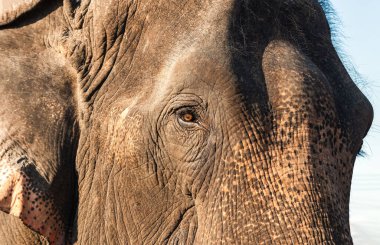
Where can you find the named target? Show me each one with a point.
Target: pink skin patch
(21, 197)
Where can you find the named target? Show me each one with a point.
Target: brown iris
(188, 117)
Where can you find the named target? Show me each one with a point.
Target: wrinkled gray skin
(179, 122)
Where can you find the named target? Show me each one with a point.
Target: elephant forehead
(181, 74)
(159, 38)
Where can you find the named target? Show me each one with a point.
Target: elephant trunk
(286, 176)
(275, 201)
(296, 198)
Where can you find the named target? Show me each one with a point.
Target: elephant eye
(187, 116)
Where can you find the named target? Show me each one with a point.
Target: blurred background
(358, 41)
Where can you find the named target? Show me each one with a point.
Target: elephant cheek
(27, 200)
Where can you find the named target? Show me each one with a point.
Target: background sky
(359, 43)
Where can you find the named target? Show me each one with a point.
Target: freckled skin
(187, 122)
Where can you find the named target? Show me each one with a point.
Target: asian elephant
(175, 122)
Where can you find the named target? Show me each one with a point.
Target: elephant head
(179, 122)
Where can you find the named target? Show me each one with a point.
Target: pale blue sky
(359, 29)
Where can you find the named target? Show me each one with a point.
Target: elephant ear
(25, 194)
(12, 9)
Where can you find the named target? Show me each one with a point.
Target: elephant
(175, 122)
